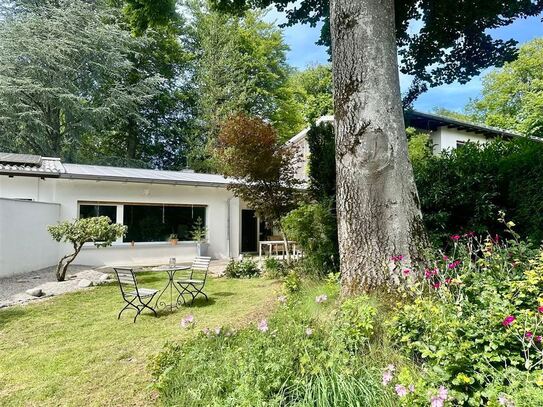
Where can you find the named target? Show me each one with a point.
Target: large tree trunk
(377, 201)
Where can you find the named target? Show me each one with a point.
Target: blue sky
(304, 52)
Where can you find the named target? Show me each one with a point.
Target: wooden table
(270, 244)
(170, 270)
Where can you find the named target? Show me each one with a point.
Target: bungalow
(38, 191)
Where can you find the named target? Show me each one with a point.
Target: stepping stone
(35, 292)
(84, 283)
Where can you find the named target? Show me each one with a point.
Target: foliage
(288, 359)
(432, 55)
(63, 75)
(512, 97)
(199, 231)
(419, 146)
(465, 188)
(98, 230)
(314, 90)
(274, 268)
(262, 170)
(245, 268)
(293, 281)
(355, 322)
(322, 161)
(313, 226)
(476, 321)
(240, 67)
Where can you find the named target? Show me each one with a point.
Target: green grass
(72, 350)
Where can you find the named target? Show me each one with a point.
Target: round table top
(167, 267)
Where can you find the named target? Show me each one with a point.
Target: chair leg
(139, 312)
(128, 304)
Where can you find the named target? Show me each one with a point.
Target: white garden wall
(25, 243)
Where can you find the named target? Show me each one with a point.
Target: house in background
(37, 191)
(445, 133)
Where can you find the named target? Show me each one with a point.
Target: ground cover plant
(71, 350)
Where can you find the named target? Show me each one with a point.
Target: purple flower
(504, 401)
(508, 320)
(321, 298)
(412, 388)
(206, 331)
(282, 299)
(401, 391)
(435, 401)
(308, 331)
(187, 321)
(391, 367)
(263, 326)
(443, 393)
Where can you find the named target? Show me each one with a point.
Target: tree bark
(377, 200)
(65, 261)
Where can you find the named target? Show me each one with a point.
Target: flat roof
(54, 168)
(121, 174)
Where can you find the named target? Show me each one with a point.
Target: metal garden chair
(194, 285)
(134, 296)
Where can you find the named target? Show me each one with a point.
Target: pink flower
(397, 258)
(187, 321)
(263, 326)
(540, 309)
(401, 391)
(387, 377)
(308, 331)
(454, 264)
(448, 280)
(528, 335)
(445, 258)
(282, 299)
(455, 238)
(469, 234)
(538, 338)
(436, 285)
(508, 320)
(321, 298)
(406, 272)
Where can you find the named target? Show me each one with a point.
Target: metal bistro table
(170, 270)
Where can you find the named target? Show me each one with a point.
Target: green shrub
(355, 322)
(463, 189)
(476, 321)
(313, 227)
(245, 268)
(293, 281)
(274, 268)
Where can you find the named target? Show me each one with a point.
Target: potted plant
(199, 235)
(173, 239)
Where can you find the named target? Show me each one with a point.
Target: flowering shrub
(475, 322)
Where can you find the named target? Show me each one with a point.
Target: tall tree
(63, 69)
(512, 97)
(314, 91)
(241, 67)
(378, 208)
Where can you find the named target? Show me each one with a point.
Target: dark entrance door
(249, 232)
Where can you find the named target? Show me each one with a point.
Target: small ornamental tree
(98, 230)
(262, 170)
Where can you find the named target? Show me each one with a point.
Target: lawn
(72, 350)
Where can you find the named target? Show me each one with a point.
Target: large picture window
(155, 223)
(91, 210)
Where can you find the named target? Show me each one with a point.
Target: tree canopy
(439, 41)
(512, 97)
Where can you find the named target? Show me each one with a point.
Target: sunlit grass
(72, 350)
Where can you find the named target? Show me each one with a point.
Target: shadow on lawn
(10, 313)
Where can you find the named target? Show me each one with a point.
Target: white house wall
(448, 138)
(68, 193)
(25, 243)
